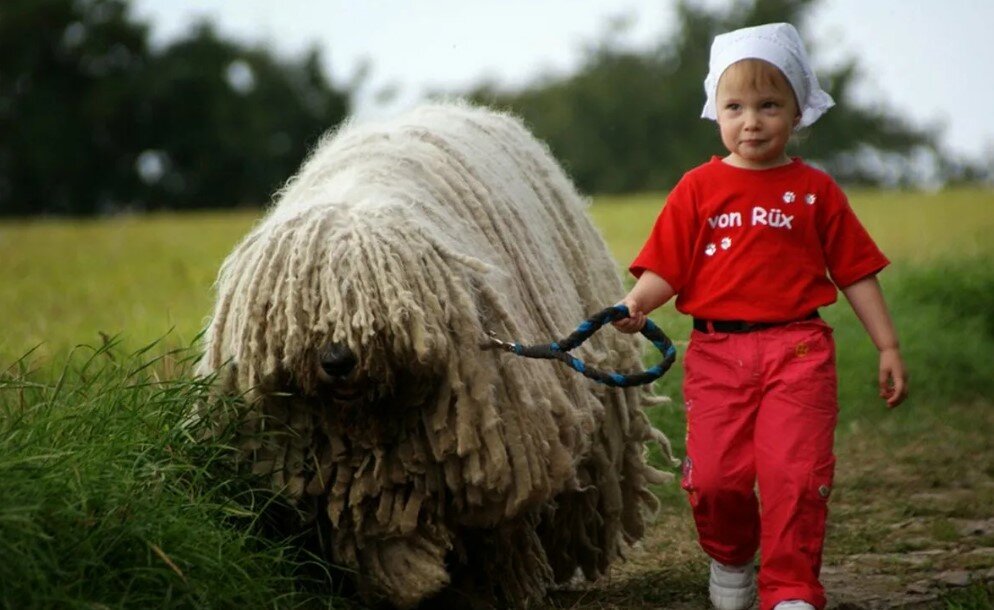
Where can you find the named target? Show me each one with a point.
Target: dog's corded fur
(407, 240)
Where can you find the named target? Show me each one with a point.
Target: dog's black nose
(337, 360)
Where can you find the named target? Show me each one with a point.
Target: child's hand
(893, 378)
(635, 320)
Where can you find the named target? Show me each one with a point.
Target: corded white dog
(351, 317)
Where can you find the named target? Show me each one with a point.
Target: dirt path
(911, 526)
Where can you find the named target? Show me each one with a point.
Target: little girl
(752, 245)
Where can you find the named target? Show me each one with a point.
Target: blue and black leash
(559, 350)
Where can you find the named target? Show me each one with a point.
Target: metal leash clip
(490, 341)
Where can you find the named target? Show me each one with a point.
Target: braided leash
(558, 350)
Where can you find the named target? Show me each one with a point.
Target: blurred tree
(628, 121)
(223, 125)
(94, 120)
(68, 73)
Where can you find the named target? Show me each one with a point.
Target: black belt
(741, 326)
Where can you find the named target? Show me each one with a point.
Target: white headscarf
(778, 44)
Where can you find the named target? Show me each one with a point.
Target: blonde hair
(758, 75)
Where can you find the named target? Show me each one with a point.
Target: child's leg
(721, 392)
(794, 461)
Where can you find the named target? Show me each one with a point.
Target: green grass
(108, 499)
(975, 597)
(69, 282)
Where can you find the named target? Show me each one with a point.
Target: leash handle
(559, 350)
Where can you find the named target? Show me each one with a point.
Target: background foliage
(627, 121)
(95, 119)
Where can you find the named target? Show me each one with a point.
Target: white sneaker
(794, 604)
(732, 587)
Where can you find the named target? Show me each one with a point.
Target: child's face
(755, 123)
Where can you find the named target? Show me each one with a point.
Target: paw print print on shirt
(726, 243)
(788, 197)
(810, 199)
(710, 249)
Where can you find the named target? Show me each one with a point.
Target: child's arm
(867, 300)
(649, 292)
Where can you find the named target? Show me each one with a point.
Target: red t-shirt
(757, 245)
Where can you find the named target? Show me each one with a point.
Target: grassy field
(68, 282)
(72, 282)
(107, 501)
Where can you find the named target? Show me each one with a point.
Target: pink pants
(762, 406)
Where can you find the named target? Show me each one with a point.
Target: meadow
(145, 278)
(107, 500)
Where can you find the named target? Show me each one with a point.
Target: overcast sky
(932, 60)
